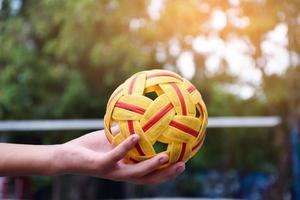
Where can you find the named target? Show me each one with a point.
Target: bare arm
(90, 155)
(18, 159)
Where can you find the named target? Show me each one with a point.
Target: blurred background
(63, 59)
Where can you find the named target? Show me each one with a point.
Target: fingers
(145, 167)
(162, 175)
(120, 151)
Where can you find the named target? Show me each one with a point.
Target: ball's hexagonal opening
(198, 113)
(160, 147)
(153, 92)
(151, 95)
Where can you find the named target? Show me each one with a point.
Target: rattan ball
(164, 109)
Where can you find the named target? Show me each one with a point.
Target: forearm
(18, 159)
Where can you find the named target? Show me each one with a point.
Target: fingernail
(180, 169)
(163, 159)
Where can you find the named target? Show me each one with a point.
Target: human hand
(93, 155)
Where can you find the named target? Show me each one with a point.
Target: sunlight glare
(218, 20)
(275, 52)
(186, 64)
(155, 8)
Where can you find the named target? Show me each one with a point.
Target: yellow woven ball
(164, 109)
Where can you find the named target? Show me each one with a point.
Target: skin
(90, 155)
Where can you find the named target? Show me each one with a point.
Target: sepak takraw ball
(164, 109)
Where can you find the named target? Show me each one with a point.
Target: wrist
(65, 159)
(57, 164)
